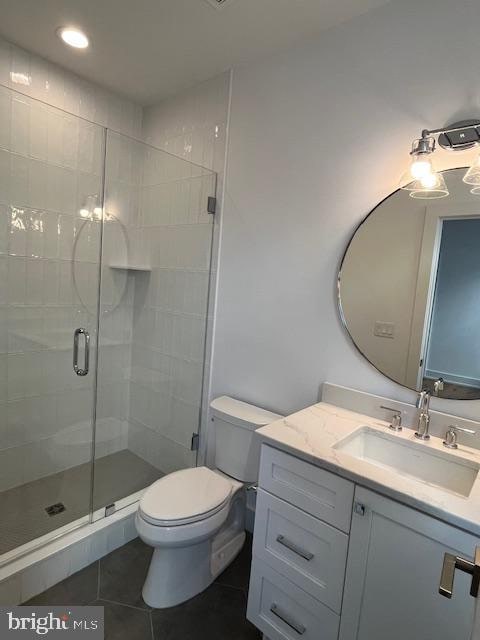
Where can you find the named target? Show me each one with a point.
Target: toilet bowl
(182, 516)
(195, 518)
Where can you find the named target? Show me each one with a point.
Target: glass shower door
(51, 190)
(157, 243)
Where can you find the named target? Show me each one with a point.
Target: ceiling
(149, 49)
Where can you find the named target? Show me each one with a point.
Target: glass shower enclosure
(105, 250)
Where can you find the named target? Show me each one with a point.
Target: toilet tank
(237, 452)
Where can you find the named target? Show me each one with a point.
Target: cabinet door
(393, 573)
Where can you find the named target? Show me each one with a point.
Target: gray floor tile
(216, 614)
(125, 623)
(238, 573)
(123, 572)
(78, 589)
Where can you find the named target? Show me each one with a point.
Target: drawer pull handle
(284, 617)
(293, 547)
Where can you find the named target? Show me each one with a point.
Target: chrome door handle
(76, 336)
(284, 617)
(450, 563)
(295, 548)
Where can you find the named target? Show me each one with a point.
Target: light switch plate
(384, 329)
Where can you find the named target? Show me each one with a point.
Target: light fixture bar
(434, 132)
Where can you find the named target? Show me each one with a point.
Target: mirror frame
(339, 296)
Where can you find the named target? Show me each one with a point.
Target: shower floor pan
(42, 506)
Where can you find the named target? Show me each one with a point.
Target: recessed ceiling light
(73, 37)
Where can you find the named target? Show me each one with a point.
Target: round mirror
(409, 290)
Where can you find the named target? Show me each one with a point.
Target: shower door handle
(76, 337)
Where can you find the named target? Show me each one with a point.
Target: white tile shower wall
(49, 162)
(35, 77)
(173, 236)
(194, 125)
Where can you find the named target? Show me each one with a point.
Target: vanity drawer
(318, 492)
(282, 611)
(308, 552)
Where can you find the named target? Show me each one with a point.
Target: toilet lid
(185, 496)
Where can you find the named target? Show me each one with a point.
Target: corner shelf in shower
(131, 267)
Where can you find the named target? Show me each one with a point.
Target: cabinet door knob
(359, 509)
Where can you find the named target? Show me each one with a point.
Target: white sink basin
(413, 459)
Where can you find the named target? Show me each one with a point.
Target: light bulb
(429, 181)
(420, 167)
(85, 213)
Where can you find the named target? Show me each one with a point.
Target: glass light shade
(473, 174)
(420, 168)
(429, 187)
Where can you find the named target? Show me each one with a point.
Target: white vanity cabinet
(299, 549)
(393, 574)
(334, 561)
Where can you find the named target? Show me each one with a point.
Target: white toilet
(195, 518)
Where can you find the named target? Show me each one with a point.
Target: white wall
(318, 136)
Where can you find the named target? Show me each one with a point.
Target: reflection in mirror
(409, 290)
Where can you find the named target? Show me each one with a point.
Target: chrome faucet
(423, 406)
(438, 386)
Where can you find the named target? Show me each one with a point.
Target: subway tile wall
(50, 163)
(152, 323)
(33, 76)
(168, 235)
(193, 125)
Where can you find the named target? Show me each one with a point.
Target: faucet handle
(396, 424)
(451, 436)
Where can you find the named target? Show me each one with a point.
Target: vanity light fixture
(421, 179)
(73, 37)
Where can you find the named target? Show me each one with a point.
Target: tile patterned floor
(116, 581)
(116, 475)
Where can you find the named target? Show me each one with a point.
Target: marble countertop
(313, 433)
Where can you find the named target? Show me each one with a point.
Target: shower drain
(55, 509)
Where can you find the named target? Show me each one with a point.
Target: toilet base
(180, 573)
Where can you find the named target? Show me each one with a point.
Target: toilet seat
(184, 497)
